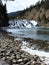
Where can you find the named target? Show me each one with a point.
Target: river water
(25, 31)
(33, 33)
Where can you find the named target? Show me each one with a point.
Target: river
(26, 30)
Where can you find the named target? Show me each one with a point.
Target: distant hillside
(38, 12)
(13, 14)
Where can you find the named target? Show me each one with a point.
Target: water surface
(33, 33)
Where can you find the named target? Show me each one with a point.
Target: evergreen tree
(3, 16)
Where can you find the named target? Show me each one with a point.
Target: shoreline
(10, 52)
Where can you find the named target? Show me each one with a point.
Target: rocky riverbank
(11, 53)
(35, 44)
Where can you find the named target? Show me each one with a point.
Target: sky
(17, 5)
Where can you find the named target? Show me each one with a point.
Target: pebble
(3, 58)
(21, 63)
(25, 60)
(15, 64)
(28, 63)
(38, 63)
(8, 57)
(3, 62)
(20, 60)
(13, 61)
(12, 54)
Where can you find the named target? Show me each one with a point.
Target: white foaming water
(12, 30)
(28, 26)
(33, 22)
(44, 56)
(23, 23)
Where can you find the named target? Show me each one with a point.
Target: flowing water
(26, 31)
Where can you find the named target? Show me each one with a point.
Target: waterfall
(22, 23)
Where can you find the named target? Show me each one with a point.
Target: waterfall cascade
(22, 23)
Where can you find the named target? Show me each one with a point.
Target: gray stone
(12, 57)
(25, 60)
(15, 64)
(17, 56)
(39, 63)
(13, 61)
(3, 62)
(20, 60)
(8, 57)
(21, 63)
(32, 63)
(7, 53)
(28, 63)
(3, 58)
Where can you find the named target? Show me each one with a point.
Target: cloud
(19, 4)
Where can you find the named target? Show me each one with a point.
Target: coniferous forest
(3, 16)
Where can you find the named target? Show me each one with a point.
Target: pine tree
(3, 15)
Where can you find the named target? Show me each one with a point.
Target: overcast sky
(19, 4)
